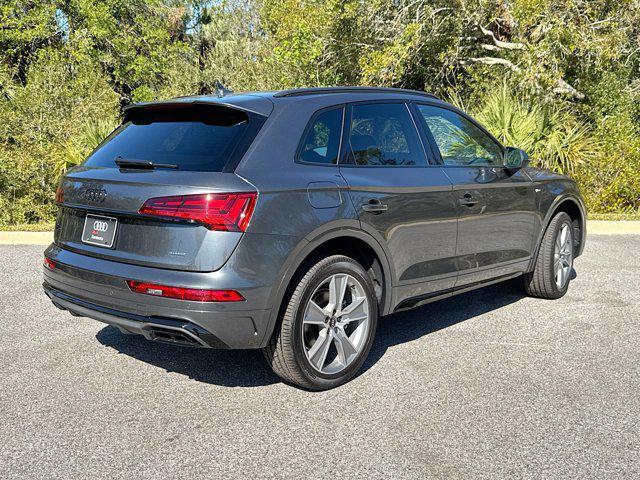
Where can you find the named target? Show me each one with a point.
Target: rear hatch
(160, 190)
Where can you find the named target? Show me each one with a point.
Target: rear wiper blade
(144, 164)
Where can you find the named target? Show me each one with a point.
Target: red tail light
(50, 264)
(59, 196)
(180, 293)
(229, 212)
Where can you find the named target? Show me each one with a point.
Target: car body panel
(498, 230)
(553, 189)
(419, 227)
(140, 240)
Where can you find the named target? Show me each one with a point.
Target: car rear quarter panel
(299, 205)
(284, 186)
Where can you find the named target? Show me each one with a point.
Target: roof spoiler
(245, 103)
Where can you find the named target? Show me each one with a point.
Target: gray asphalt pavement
(489, 384)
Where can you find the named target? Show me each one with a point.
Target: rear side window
(321, 142)
(198, 138)
(383, 134)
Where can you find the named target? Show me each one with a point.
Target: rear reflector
(50, 264)
(193, 294)
(59, 196)
(228, 212)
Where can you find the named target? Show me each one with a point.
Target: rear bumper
(160, 329)
(97, 289)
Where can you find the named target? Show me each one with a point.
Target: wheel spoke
(560, 277)
(569, 250)
(566, 245)
(318, 352)
(354, 318)
(358, 302)
(337, 288)
(564, 235)
(315, 315)
(346, 350)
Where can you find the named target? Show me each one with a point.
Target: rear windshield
(196, 138)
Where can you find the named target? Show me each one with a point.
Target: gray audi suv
(291, 221)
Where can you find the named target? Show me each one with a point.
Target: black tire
(285, 350)
(541, 282)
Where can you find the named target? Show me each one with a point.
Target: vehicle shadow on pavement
(247, 368)
(231, 368)
(412, 324)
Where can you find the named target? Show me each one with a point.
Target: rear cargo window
(198, 138)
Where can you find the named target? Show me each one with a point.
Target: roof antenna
(221, 90)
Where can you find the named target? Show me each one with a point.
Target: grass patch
(614, 216)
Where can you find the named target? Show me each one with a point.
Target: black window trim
(428, 154)
(256, 121)
(432, 141)
(307, 128)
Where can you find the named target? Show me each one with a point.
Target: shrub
(45, 125)
(552, 137)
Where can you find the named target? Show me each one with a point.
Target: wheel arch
(346, 240)
(573, 207)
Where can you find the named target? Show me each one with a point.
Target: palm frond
(553, 138)
(75, 151)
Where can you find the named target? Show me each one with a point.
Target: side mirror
(515, 158)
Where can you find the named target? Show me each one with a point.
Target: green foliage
(78, 147)
(552, 137)
(560, 79)
(611, 180)
(38, 121)
(24, 198)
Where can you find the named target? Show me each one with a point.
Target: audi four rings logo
(100, 226)
(95, 194)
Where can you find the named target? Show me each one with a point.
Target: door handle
(467, 200)
(374, 206)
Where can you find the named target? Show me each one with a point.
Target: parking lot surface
(489, 384)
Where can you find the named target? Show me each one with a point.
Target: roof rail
(324, 90)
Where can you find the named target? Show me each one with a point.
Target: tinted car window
(384, 134)
(198, 139)
(322, 139)
(460, 142)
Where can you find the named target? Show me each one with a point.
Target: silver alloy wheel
(336, 323)
(563, 255)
